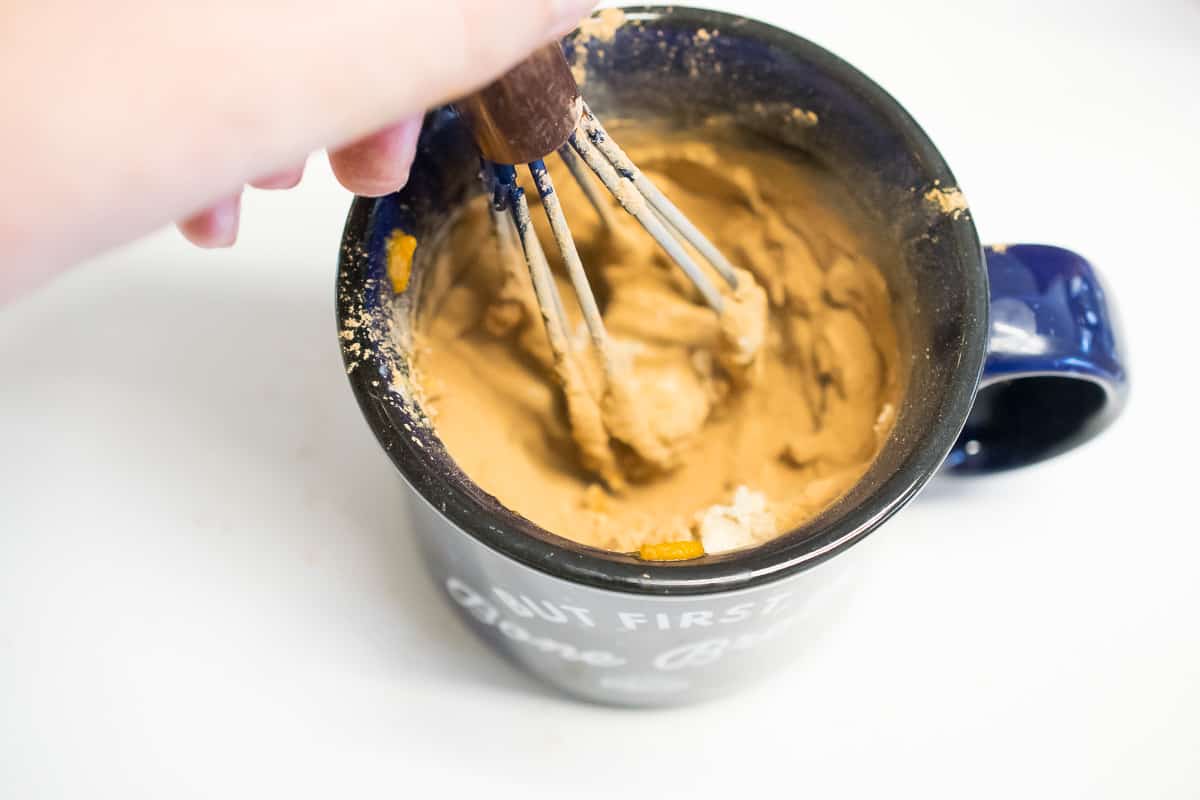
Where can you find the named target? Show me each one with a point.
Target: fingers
(379, 163)
(372, 166)
(284, 179)
(215, 226)
(328, 79)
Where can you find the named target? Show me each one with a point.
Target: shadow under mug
(1041, 373)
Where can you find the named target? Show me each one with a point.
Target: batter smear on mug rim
(728, 430)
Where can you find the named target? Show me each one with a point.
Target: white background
(206, 588)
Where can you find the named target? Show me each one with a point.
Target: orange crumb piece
(671, 551)
(400, 248)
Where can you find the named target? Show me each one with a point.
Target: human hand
(371, 166)
(129, 114)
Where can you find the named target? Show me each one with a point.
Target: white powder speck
(746, 522)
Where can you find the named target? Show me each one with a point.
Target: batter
(721, 430)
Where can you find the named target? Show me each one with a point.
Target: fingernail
(567, 14)
(226, 215)
(284, 179)
(215, 226)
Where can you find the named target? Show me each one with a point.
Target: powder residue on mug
(948, 200)
(733, 428)
(600, 28)
(807, 119)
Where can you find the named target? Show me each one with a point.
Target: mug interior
(653, 70)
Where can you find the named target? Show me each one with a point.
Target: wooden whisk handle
(528, 112)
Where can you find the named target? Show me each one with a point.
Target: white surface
(205, 592)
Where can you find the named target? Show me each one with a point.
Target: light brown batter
(729, 429)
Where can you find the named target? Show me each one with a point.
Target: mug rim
(785, 555)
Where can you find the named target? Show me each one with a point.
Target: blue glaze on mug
(1054, 375)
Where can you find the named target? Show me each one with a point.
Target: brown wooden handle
(528, 112)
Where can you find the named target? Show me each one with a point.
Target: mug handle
(1055, 374)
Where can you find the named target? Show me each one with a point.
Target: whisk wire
(575, 270)
(509, 126)
(512, 197)
(633, 202)
(654, 196)
(588, 185)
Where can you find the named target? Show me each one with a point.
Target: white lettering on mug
(630, 620)
(692, 655)
(546, 610)
(738, 613)
(773, 604)
(582, 614)
(514, 605)
(707, 651)
(699, 619)
(488, 614)
(682, 620)
(526, 607)
(600, 658)
(469, 599)
(683, 656)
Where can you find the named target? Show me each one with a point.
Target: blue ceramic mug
(1014, 356)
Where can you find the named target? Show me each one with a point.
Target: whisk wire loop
(659, 201)
(627, 194)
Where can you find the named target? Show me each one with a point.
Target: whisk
(529, 113)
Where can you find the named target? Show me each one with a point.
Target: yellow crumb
(671, 551)
(400, 248)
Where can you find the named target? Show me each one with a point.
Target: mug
(1014, 356)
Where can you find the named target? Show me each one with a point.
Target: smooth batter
(725, 429)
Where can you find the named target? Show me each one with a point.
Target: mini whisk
(524, 116)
